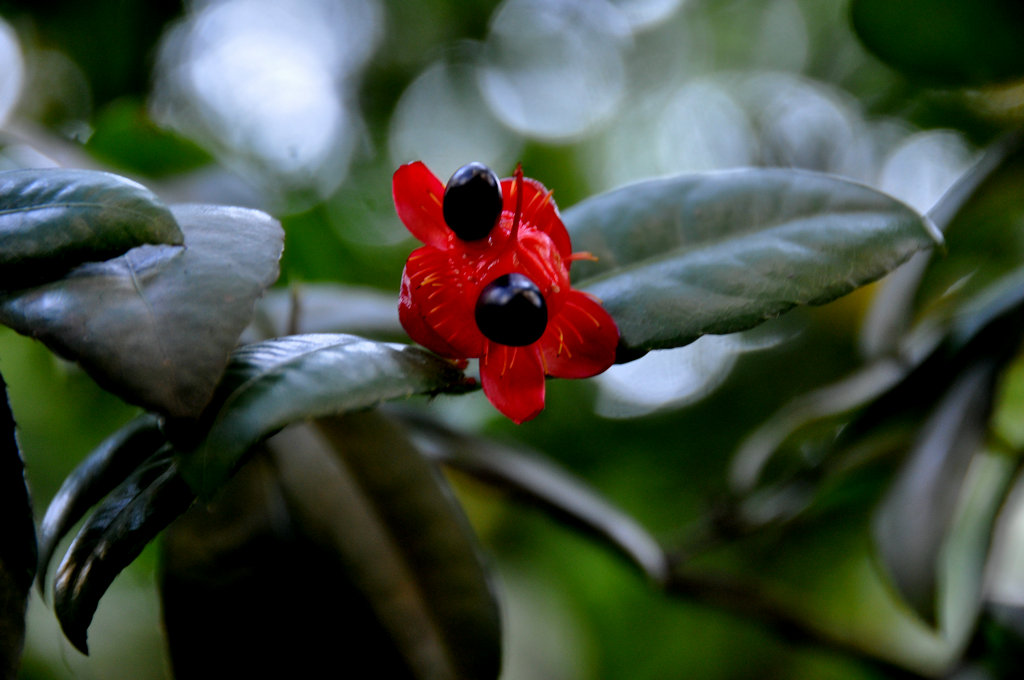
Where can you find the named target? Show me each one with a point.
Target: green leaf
(829, 402)
(953, 42)
(362, 491)
(125, 136)
(1006, 563)
(540, 482)
(277, 382)
(965, 571)
(100, 473)
(722, 252)
(913, 522)
(111, 539)
(52, 220)
(983, 240)
(240, 574)
(156, 326)
(17, 543)
(891, 311)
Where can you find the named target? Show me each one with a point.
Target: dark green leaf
(953, 42)
(115, 534)
(240, 574)
(156, 325)
(17, 543)
(831, 401)
(722, 252)
(912, 524)
(52, 220)
(540, 482)
(359, 488)
(103, 470)
(277, 382)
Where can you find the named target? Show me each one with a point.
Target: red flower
(499, 289)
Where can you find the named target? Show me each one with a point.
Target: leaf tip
(934, 232)
(74, 620)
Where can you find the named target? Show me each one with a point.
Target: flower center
(472, 201)
(511, 311)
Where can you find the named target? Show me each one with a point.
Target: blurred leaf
(965, 555)
(126, 137)
(239, 574)
(891, 312)
(156, 325)
(52, 220)
(830, 401)
(913, 522)
(277, 382)
(17, 545)
(985, 241)
(952, 42)
(328, 308)
(1000, 301)
(1007, 425)
(902, 384)
(104, 469)
(358, 487)
(112, 537)
(540, 482)
(722, 252)
(1006, 567)
(127, 31)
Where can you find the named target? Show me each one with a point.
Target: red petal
(417, 327)
(418, 195)
(581, 340)
(436, 305)
(539, 210)
(513, 380)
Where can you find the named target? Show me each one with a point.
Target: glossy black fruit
(512, 311)
(472, 201)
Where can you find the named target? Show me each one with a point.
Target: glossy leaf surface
(122, 525)
(156, 325)
(722, 252)
(277, 382)
(101, 472)
(52, 220)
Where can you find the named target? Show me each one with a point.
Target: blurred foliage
(770, 467)
(959, 43)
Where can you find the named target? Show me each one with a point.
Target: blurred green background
(304, 108)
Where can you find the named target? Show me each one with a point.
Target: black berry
(512, 311)
(472, 201)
